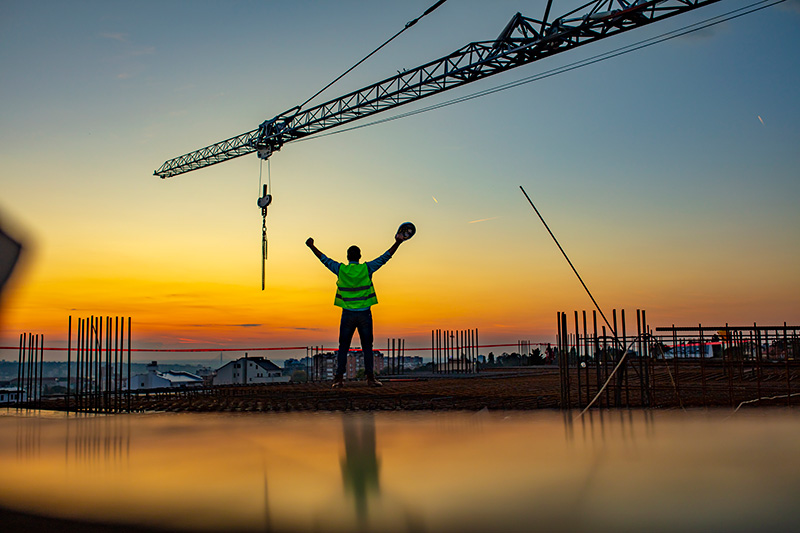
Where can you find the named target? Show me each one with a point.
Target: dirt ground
(523, 388)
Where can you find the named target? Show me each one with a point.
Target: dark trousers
(352, 321)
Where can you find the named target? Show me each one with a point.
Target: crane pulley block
(271, 134)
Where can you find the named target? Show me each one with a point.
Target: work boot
(372, 382)
(338, 382)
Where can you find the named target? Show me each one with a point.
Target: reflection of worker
(360, 466)
(355, 295)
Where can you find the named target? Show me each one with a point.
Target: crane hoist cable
(392, 38)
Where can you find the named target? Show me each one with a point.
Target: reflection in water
(28, 437)
(100, 439)
(626, 426)
(390, 472)
(625, 421)
(360, 465)
(104, 440)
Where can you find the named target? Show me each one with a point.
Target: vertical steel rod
(477, 346)
(19, 368)
(640, 356)
(559, 342)
(41, 371)
(647, 361)
(731, 341)
(758, 361)
(616, 359)
(578, 361)
(402, 356)
(107, 391)
(30, 368)
(69, 357)
(703, 366)
(587, 357)
(116, 364)
(675, 365)
(624, 354)
(605, 366)
(564, 358)
(596, 349)
(788, 370)
(79, 344)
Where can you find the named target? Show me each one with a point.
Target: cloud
(121, 37)
(125, 55)
(699, 35)
(183, 340)
(146, 51)
(224, 325)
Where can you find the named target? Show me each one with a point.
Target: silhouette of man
(355, 294)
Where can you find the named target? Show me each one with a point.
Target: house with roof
(154, 379)
(249, 371)
(12, 395)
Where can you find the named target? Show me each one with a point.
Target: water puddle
(459, 472)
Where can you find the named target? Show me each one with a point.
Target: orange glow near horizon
(181, 296)
(204, 314)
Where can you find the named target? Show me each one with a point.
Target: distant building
(154, 379)
(290, 366)
(324, 366)
(249, 370)
(39, 387)
(411, 362)
(11, 395)
(689, 350)
(355, 362)
(207, 373)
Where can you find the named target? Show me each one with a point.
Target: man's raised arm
(310, 244)
(398, 240)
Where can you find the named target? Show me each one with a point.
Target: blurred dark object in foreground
(19, 522)
(9, 254)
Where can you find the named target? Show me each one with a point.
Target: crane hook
(263, 203)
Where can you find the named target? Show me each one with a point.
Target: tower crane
(523, 40)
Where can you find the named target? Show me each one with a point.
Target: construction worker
(355, 294)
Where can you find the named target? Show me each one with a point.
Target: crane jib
(518, 44)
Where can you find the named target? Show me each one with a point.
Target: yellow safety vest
(355, 290)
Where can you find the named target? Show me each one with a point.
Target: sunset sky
(669, 175)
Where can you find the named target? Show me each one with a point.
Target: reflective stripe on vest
(355, 290)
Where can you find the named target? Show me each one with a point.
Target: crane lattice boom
(524, 40)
